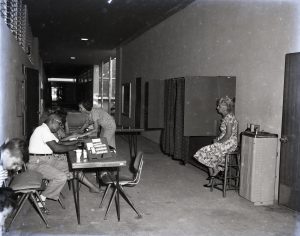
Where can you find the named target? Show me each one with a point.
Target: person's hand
(80, 144)
(71, 137)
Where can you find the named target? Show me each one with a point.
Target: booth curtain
(174, 143)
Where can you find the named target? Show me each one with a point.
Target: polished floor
(172, 202)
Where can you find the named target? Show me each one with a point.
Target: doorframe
(25, 133)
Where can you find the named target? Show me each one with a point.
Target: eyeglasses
(59, 122)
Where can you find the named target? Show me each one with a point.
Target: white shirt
(38, 140)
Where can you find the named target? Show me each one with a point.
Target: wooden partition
(201, 95)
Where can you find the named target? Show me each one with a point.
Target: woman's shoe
(207, 185)
(208, 178)
(210, 184)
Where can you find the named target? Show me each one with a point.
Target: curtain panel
(173, 142)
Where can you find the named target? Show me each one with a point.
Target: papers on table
(97, 147)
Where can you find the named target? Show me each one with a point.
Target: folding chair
(28, 184)
(124, 181)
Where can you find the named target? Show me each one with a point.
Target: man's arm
(67, 142)
(92, 131)
(61, 148)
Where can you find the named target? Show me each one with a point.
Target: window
(107, 85)
(15, 16)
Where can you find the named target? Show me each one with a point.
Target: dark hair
(7, 198)
(88, 105)
(44, 116)
(17, 147)
(62, 114)
(51, 117)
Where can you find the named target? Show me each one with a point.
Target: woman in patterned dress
(213, 156)
(99, 117)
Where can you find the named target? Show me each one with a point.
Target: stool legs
(225, 176)
(230, 178)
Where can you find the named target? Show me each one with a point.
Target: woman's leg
(210, 171)
(92, 188)
(215, 172)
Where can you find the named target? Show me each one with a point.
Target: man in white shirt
(42, 144)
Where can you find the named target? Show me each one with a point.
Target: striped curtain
(173, 142)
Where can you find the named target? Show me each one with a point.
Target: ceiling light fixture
(72, 58)
(109, 1)
(84, 39)
(67, 80)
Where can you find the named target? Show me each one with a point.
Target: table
(132, 134)
(76, 167)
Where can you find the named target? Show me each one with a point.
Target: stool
(231, 175)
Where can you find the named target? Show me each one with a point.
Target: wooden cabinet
(258, 167)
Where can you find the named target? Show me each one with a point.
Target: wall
(11, 60)
(246, 39)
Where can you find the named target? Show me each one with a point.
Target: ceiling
(60, 25)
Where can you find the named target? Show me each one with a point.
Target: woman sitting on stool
(213, 156)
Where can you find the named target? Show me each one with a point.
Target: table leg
(75, 188)
(134, 142)
(130, 142)
(113, 196)
(118, 194)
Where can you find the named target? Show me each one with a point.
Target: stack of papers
(97, 147)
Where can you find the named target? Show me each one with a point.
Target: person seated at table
(99, 118)
(13, 153)
(213, 156)
(8, 200)
(62, 136)
(43, 143)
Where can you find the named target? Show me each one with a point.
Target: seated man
(12, 154)
(43, 143)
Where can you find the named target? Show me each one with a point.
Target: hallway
(172, 202)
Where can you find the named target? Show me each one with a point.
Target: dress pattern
(107, 123)
(213, 155)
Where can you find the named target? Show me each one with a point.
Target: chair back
(137, 168)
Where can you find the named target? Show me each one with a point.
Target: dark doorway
(138, 103)
(32, 101)
(146, 105)
(289, 178)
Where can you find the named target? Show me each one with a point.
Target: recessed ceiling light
(84, 39)
(72, 58)
(70, 80)
(109, 1)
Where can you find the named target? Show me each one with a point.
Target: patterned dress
(107, 123)
(214, 155)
